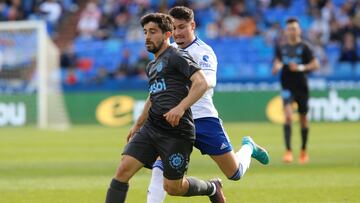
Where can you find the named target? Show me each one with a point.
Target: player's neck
(162, 49)
(185, 45)
(294, 41)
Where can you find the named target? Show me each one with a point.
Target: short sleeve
(208, 63)
(184, 63)
(308, 54)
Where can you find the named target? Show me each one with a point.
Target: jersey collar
(194, 41)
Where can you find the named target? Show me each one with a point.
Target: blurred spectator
(342, 15)
(37, 14)
(71, 78)
(125, 68)
(68, 58)
(280, 3)
(141, 64)
(52, 9)
(101, 75)
(89, 21)
(334, 32)
(348, 49)
(238, 22)
(122, 25)
(105, 28)
(319, 28)
(273, 34)
(11, 10)
(328, 12)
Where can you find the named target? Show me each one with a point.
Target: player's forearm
(313, 65)
(277, 64)
(144, 114)
(198, 88)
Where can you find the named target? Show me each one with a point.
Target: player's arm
(208, 63)
(277, 65)
(308, 57)
(198, 88)
(313, 65)
(141, 120)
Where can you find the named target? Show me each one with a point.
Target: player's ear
(193, 25)
(168, 34)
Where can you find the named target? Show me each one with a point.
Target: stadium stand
(242, 33)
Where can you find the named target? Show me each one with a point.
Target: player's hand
(293, 67)
(274, 70)
(132, 132)
(174, 115)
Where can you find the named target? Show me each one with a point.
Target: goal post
(30, 77)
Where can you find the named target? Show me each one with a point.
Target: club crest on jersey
(206, 58)
(157, 86)
(159, 67)
(176, 161)
(204, 63)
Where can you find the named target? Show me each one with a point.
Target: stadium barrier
(121, 108)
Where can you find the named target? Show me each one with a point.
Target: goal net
(30, 81)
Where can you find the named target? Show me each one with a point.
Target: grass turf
(76, 166)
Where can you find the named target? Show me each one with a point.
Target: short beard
(156, 49)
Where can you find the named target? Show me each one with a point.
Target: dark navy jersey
(169, 83)
(299, 54)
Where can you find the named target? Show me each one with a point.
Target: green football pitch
(76, 166)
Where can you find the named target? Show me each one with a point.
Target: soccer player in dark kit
(165, 127)
(295, 59)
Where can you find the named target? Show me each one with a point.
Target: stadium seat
(343, 69)
(357, 69)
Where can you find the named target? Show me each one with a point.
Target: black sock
(116, 192)
(199, 187)
(304, 137)
(287, 136)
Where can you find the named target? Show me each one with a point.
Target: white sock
(156, 192)
(244, 157)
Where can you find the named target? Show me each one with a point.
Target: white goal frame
(43, 42)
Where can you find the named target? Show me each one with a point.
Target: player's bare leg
(288, 156)
(119, 185)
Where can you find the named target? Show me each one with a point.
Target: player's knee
(123, 172)
(237, 175)
(172, 190)
(288, 119)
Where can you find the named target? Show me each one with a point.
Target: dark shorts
(300, 97)
(211, 137)
(150, 142)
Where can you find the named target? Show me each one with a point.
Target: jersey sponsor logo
(176, 161)
(157, 86)
(287, 59)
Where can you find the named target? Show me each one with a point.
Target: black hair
(164, 21)
(292, 20)
(182, 13)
